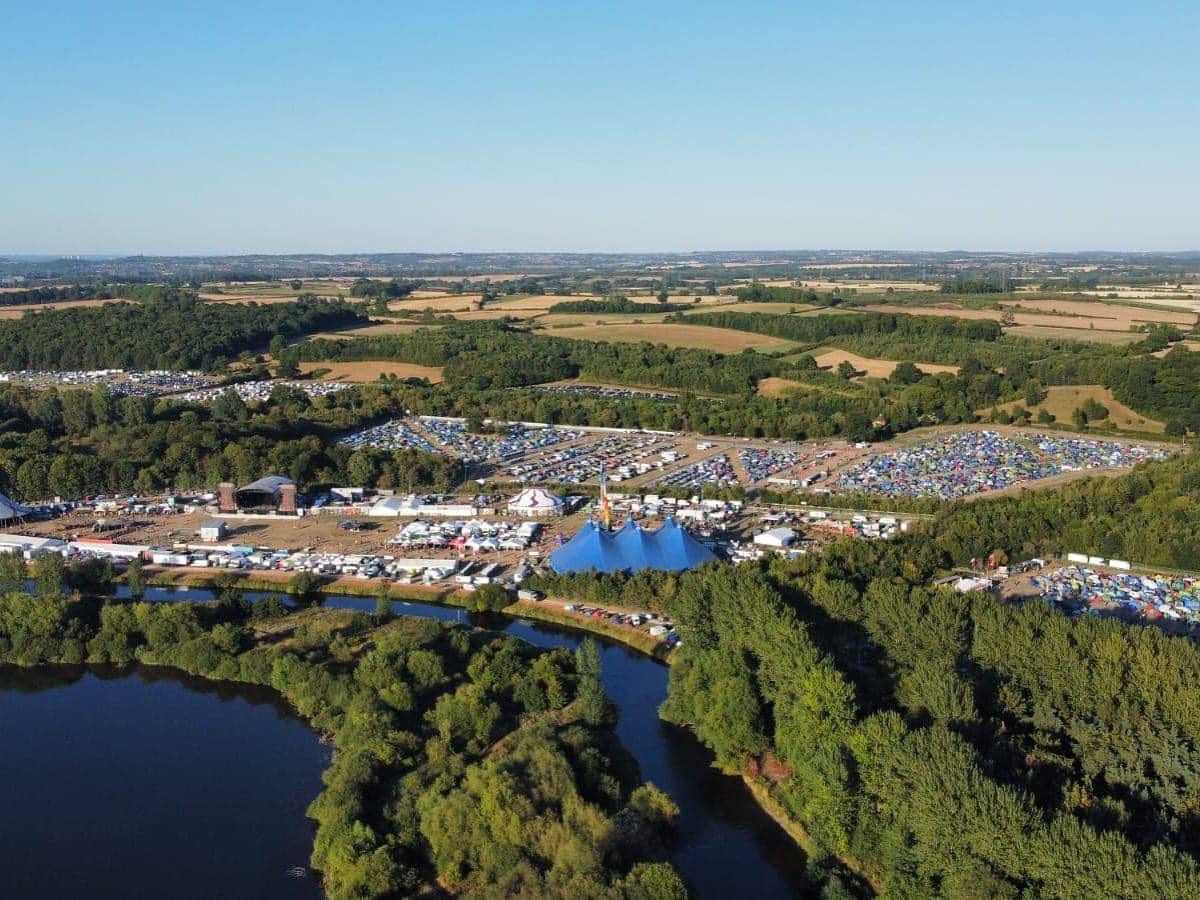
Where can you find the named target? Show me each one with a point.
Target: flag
(605, 509)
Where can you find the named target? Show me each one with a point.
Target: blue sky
(215, 127)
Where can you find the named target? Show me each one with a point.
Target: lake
(156, 784)
(149, 783)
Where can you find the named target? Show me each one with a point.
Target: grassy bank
(637, 640)
(204, 578)
(760, 790)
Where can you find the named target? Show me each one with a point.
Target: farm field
(1122, 316)
(1087, 335)
(491, 313)
(267, 292)
(776, 387)
(1061, 315)
(1186, 296)
(1192, 346)
(570, 320)
(832, 357)
(1062, 400)
(730, 304)
(442, 303)
(370, 370)
(864, 286)
(15, 312)
(720, 340)
(539, 302)
(373, 330)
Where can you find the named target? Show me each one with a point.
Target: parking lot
(257, 391)
(118, 381)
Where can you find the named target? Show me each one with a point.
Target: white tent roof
(776, 537)
(535, 500)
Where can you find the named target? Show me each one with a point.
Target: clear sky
(275, 127)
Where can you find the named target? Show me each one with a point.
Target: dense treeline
(480, 355)
(482, 358)
(615, 305)
(1164, 387)
(175, 330)
(374, 289)
(76, 443)
(1159, 387)
(756, 292)
(817, 328)
(463, 758)
(99, 291)
(950, 745)
(1150, 516)
(986, 284)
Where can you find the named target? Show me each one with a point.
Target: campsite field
(674, 334)
(370, 370)
(831, 358)
(1062, 400)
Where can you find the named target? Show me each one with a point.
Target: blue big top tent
(630, 550)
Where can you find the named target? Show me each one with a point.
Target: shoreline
(548, 611)
(530, 611)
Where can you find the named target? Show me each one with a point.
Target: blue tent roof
(630, 550)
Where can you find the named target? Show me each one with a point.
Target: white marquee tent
(536, 502)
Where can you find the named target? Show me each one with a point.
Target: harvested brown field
(559, 320)
(1063, 315)
(866, 286)
(1061, 401)
(15, 312)
(370, 370)
(1122, 316)
(831, 358)
(491, 313)
(372, 330)
(730, 304)
(721, 340)
(442, 303)
(776, 387)
(540, 302)
(273, 291)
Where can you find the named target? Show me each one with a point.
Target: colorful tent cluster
(630, 549)
(971, 462)
(1162, 596)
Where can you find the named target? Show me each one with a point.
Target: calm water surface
(159, 785)
(148, 783)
